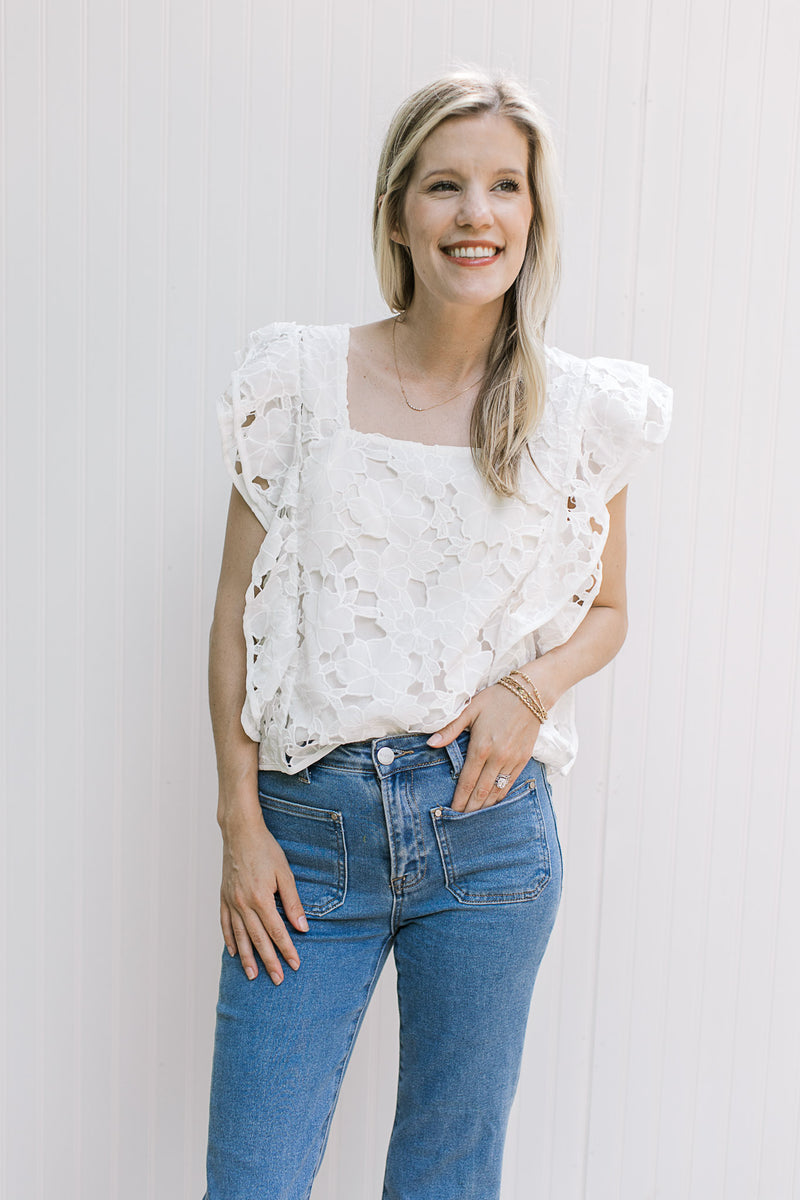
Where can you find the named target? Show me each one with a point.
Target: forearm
(594, 643)
(237, 754)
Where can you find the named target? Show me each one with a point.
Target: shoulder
(260, 411)
(610, 390)
(277, 351)
(267, 366)
(623, 399)
(619, 410)
(284, 363)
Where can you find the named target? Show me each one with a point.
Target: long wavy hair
(511, 399)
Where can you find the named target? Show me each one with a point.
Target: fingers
(489, 757)
(292, 904)
(254, 872)
(502, 735)
(260, 929)
(477, 785)
(227, 929)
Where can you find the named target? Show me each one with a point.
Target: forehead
(486, 139)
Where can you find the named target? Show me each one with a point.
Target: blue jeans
(466, 901)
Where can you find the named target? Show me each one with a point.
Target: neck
(448, 344)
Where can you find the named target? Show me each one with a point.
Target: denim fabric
(466, 902)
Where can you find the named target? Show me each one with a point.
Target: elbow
(620, 627)
(613, 628)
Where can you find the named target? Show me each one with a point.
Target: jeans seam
(381, 958)
(346, 770)
(436, 762)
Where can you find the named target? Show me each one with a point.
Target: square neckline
(358, 434)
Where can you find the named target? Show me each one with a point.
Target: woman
(428, 525)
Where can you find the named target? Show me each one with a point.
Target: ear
(395, 234)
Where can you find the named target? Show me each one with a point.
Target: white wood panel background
(177, 173)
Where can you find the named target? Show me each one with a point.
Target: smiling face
(467, 211)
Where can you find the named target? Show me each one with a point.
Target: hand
(254, 868)
(503, 732)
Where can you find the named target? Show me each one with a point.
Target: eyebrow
(454, 171)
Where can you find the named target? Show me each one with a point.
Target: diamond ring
(502, 781)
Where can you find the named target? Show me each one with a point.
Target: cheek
(522, 241)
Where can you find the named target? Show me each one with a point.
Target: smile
(472, 252)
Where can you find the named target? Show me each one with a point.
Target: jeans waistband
(396, 752)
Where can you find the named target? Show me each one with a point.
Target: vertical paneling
(5, 770)
(25, 248)
(175, 174)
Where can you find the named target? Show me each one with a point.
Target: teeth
(471, 251)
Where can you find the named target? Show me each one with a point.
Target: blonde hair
(512, 395)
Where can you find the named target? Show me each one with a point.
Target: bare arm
(600, 635)
(254, 867)
(502, 730)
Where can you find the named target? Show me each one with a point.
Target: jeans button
(386, 756)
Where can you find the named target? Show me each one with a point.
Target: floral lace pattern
(392, 584)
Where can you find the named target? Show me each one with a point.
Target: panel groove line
(288, 49)
(662, 518)
(600, 207)
(324, 196)
(647, 680)
(194, 1081)
(39, 1050)
(792, 724)
(700, 1158)
(634, 243)
(81, 511)
(694, 474)
(5, 559)
(366, 184)
(704, 386)
(742, 342)
(155, 899)
(598, 223)
(636, 239)
(119, 607)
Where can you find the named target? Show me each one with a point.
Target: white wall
(177, 173)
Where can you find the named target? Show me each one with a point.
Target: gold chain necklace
(403, 390)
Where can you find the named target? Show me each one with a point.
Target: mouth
(472, 252)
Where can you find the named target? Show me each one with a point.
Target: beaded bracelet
(534, 689)
(517, 690)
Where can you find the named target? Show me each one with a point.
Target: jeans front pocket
(313, 841)
(497, 854)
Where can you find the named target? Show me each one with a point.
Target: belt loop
(456, 757)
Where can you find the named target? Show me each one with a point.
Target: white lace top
(392, 584)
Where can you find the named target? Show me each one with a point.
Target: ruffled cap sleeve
(259, 418)
(626, 413)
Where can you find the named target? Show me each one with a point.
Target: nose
(475, 209)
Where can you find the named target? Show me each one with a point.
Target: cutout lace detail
(391, 584)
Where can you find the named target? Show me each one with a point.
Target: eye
(443, 185)
(509, 185)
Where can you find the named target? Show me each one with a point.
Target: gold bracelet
(535, 691)
(535, 706)
(512, 686)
